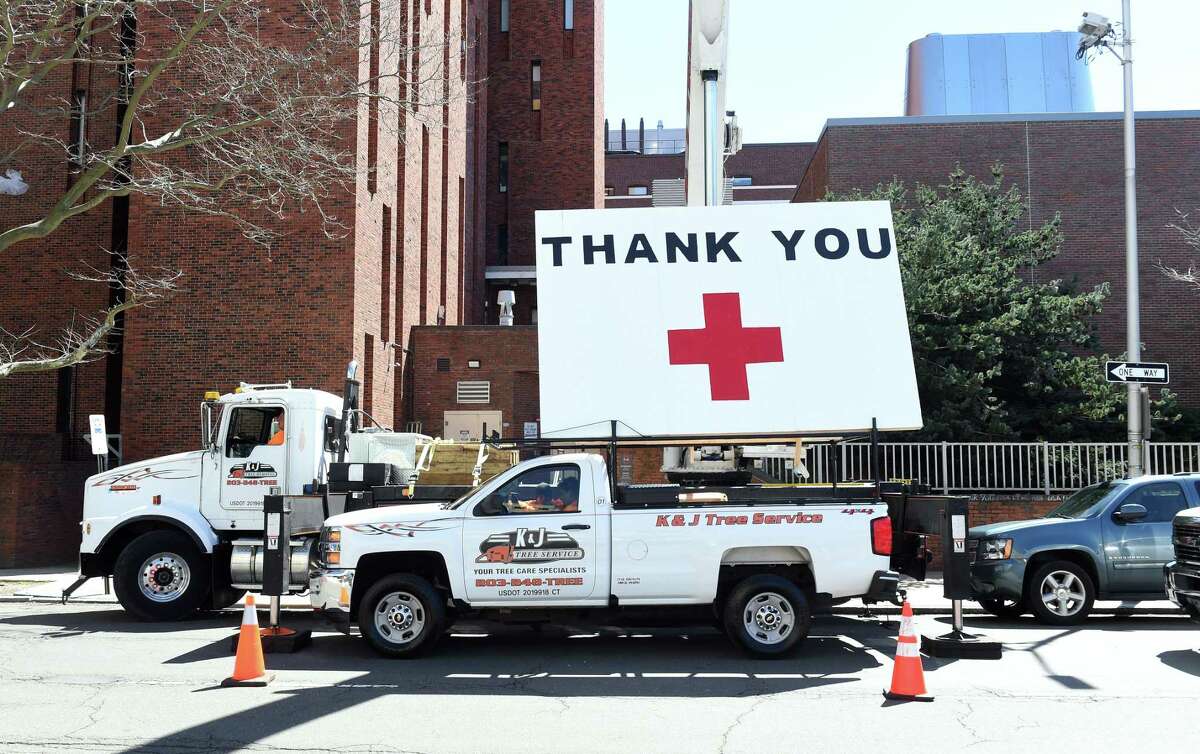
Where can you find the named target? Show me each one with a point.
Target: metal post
(1046, 467)
(714, 146)
(274, 619)
(945, 468)
(1133, 336)
(957, 616)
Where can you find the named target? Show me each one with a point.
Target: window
(474, 391)
(535, 84)
(1162, 500)
(568, 14)
(638, 191)
(503, 167)
(252, 427)
(609, 191)
(548, 489)
(504, 15)
(385, 281)
(78, 136)
(740, 180)
(502, 244)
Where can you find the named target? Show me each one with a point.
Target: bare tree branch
(1191, 236)
(87, 339)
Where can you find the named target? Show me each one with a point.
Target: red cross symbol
(725, 346)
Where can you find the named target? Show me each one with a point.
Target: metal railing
(1045, 467)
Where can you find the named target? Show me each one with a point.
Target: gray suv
(1109, 541)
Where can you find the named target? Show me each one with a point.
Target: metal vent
(669, 192)
(443, 364)
(474, 391)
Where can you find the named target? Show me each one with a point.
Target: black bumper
(885, 587)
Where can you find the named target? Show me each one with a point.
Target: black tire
(408, 599)
(1066, 612)
(781, 603)
(1002, 608)
(181, 578)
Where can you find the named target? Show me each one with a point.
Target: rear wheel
(1003, 608)
(766, 615)
(160, 576)
(402, 616)
(1060, 593)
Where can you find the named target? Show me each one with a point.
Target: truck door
(1136, 551)
(254, 456)
(533, 539)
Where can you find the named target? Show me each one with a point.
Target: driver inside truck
(277, 429)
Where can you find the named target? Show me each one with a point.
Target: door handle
(577, 526)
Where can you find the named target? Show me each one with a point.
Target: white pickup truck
(547, 539)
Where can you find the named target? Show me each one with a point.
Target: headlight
(329, 549)
(994, 549)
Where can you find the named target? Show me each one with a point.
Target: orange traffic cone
(248, 666)
(908, 677)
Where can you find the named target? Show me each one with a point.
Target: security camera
(1094, 29)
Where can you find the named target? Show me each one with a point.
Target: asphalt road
(86, 678)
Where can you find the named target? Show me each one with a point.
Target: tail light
(881, 535)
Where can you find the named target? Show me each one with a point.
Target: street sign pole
(1133, 344)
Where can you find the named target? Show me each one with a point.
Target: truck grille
(1186, 538)
(972, 549)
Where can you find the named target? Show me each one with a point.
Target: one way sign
(1154, 373)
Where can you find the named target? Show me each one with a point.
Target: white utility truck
(550, 539)
(185, 532)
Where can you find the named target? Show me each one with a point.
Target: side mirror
(1130, 513)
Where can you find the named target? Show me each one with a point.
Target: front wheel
(402, 616)
(1060, 593)
(161, 576)
(767, 615)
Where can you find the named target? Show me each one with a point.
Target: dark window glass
(535, 84)
(251, 427)
(502, 243)
(548, 489)
(503, 166)
(1162, 500)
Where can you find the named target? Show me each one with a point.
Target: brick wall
(1072, 167)
(555, 154)
(507, 358)
(41, 501)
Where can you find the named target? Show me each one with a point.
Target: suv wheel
(402, 616)
(766, 615)
(1060, 593)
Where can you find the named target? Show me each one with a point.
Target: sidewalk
(925, 597)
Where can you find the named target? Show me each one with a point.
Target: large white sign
(762, 318)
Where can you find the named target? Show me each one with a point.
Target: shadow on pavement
(111, 620)
(549, 663)
(1183, 660)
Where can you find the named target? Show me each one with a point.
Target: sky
(795, 63)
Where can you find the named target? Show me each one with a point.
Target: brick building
(423, 222)
(1066, 163)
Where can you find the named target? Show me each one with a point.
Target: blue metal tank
(972, 74)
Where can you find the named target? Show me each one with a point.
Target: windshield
(1086, 503)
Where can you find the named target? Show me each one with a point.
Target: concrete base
(960, 646)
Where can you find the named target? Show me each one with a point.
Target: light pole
(1098, 32)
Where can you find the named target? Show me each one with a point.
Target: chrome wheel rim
(1063, 593)
(769, 617)
(164, 577)
(399, 618)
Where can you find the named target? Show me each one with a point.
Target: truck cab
(166, 528)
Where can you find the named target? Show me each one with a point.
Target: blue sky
(794, 63)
